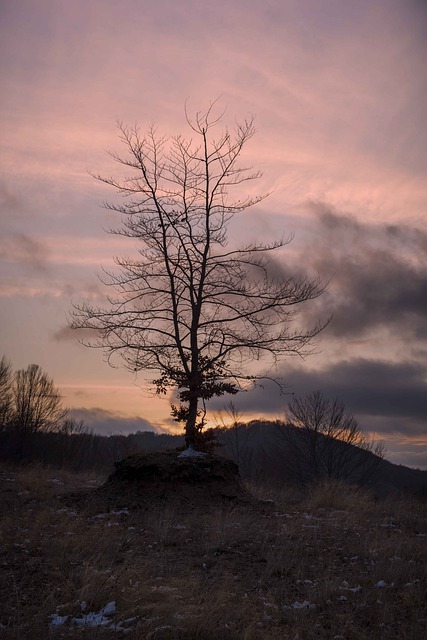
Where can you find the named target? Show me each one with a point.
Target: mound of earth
(170, 475)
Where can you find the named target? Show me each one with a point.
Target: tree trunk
(190, 427)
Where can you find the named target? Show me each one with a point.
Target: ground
(83, 559)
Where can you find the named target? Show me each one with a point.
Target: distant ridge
(264, 452)
(264, 449)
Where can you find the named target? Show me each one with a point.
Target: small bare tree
(37, 404)
(6, 403)
(190, 308)
(233, 431)
(329, 442)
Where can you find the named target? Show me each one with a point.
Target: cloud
(378, 274)
(105, 422)
(390, 395)
(411, 451)
(374, 388)
(25, 250)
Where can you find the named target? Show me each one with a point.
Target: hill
(266, 452)
(277, 453)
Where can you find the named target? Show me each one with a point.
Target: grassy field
(331, 563)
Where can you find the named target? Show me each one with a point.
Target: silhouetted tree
(328, 441)
(37, 404)
(190, 308)
(6, 402)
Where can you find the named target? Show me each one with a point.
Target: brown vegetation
(328, 562)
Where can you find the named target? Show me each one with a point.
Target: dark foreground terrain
(160, 561)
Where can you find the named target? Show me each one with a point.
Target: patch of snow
(109, 609)
(57, 621)
(192, 453)
(346, 587)
(100, 618)
(380, 584)
(355, 589)
(91, 619)
(303, 605)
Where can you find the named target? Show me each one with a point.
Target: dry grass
(331, 563)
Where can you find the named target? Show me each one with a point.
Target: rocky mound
(170, 474)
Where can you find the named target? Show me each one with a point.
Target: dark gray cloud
(25, 250)
(374, 388)
(105, 422)
(378, 274)
(392, 397)
(376, 290)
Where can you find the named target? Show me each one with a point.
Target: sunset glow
(339, 94)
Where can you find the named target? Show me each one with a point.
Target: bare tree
(6, 404)
(37, 404)
(329, 442)
(233, 436)
(190, 308)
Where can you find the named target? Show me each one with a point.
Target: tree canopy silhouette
(192, 308)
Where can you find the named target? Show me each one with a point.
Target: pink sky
(339, 93)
